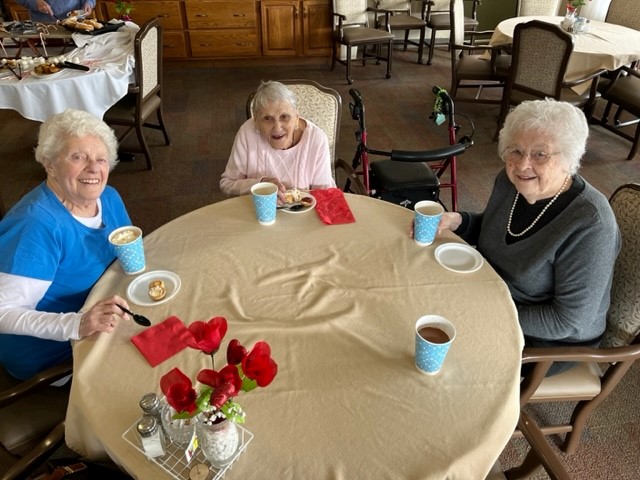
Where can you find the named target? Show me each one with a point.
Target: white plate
(79, 14)
(302, 210)
(138, 291)
(46, 75)
(459, 257)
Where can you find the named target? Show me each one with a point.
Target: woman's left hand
(104, 316)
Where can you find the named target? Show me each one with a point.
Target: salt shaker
(151, 436)
(150, 405)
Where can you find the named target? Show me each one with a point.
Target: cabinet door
(281, 27)
(317, 18)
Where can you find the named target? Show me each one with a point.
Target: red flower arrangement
(245, 370)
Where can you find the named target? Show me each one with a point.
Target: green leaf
(202, 402)
(248, 384)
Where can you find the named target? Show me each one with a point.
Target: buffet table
(111, 61)
(338, 305)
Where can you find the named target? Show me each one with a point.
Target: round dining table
(604, 46)
(338, 305)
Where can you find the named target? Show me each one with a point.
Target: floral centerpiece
(214, 405)
(124, 9)
(572, 5)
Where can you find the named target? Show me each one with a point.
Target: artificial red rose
(228, 375)
(207, 336)
(179, 391)
(235, 352)
(221, 394)
(259, 366)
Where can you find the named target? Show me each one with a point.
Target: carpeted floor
(204, 107)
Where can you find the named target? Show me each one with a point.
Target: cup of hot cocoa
(434, 335)
(127, 242)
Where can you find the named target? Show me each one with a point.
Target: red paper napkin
(162, 341)
(332, 207)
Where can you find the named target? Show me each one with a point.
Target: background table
(337, 305)
(111, 59)
(605, 46)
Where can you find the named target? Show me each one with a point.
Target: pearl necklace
(513, 207)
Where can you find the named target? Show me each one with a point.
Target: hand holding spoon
(139, 319)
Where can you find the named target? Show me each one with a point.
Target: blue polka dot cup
(434, 335)
(427, 215)
(127, 242)
(265, 199)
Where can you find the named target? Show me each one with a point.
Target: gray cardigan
(559, 276)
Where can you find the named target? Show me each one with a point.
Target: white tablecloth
(111, 59)
(338, 306)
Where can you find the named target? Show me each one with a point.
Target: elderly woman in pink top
(277, 145)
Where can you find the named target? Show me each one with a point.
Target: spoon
(292, 207)
(139, 319)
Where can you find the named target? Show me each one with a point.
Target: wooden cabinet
(228, 29)
(170, 14)
(222, 28)
(296, 27)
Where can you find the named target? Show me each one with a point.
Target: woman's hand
(279, 184)
(44, 7)
(449, 221)
(104, 316)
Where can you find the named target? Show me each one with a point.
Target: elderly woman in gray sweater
(549, 234)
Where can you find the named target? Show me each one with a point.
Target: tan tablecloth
(605, 46)
(337, 305)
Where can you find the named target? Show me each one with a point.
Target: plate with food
(459, 257)
(47, 70)
(297, 201)
(90, 26)
(77, 14)
(154, 288)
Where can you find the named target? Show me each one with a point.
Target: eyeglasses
(537, 157)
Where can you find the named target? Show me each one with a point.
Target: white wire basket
(174, 462)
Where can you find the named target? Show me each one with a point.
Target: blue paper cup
(434, 335)
(265, 199)
(427, 215)
(127, 242)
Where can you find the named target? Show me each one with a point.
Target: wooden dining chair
(622, 91)
(321, 105)
(625, 13)
(469, 69)
(435, 13)
(402, 20)
(537, 73)
(585, 386)
(134, 112)
(351, 29)
(32, 414)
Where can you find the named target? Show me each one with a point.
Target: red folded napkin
(162, 341)
(332, 207)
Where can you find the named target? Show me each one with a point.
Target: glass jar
(151, 436)
(180, 431)
(219, 441)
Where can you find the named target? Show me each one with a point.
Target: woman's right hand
(104, 316)
(449, 221)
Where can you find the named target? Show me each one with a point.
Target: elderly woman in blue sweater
(549, 234)
(50, 11)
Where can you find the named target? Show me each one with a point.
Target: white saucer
(46, 75)
(138, 291)
(459, 257)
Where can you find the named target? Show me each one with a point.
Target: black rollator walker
(408, 176)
